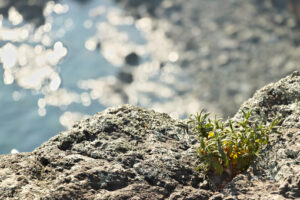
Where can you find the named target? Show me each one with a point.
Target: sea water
(74, 65)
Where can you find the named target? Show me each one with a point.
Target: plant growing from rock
(229, 146)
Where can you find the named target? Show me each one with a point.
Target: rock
(127, 152)
(280, 4)
(125, 77)
(277, 100)
(294, 8)
(144, 6)
(132, 59)
(122, 153)
(276, 174)
(83, 1)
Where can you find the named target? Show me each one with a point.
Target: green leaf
(218, 167)
(221, 151)
(230, 125)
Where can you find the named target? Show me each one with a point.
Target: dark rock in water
(294, 7)
(83, 1)
(98, 45)
(280, 4)
(132, 59)
(140, 5)
(125, 77)
(162, 65)
(127, 152)
(33, 14)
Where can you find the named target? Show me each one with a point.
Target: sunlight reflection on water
(32, 66)
(60, 64)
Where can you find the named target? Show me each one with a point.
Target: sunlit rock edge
(127, 152)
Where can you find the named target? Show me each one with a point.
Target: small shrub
(230, 146)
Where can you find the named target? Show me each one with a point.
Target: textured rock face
(122, 153)
(127, 152)
(277, 174)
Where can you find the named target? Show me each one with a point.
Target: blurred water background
(64, 60)
(76, 62)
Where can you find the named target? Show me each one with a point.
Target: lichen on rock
(122, 153)
(127, 152)
(276, 174)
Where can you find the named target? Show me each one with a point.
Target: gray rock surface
(276, 175)
(127, 152)
(122, 153)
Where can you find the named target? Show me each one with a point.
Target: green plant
(229, 146)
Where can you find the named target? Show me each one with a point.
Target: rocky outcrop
(127, 152)
(122, 153)
(276, 175)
